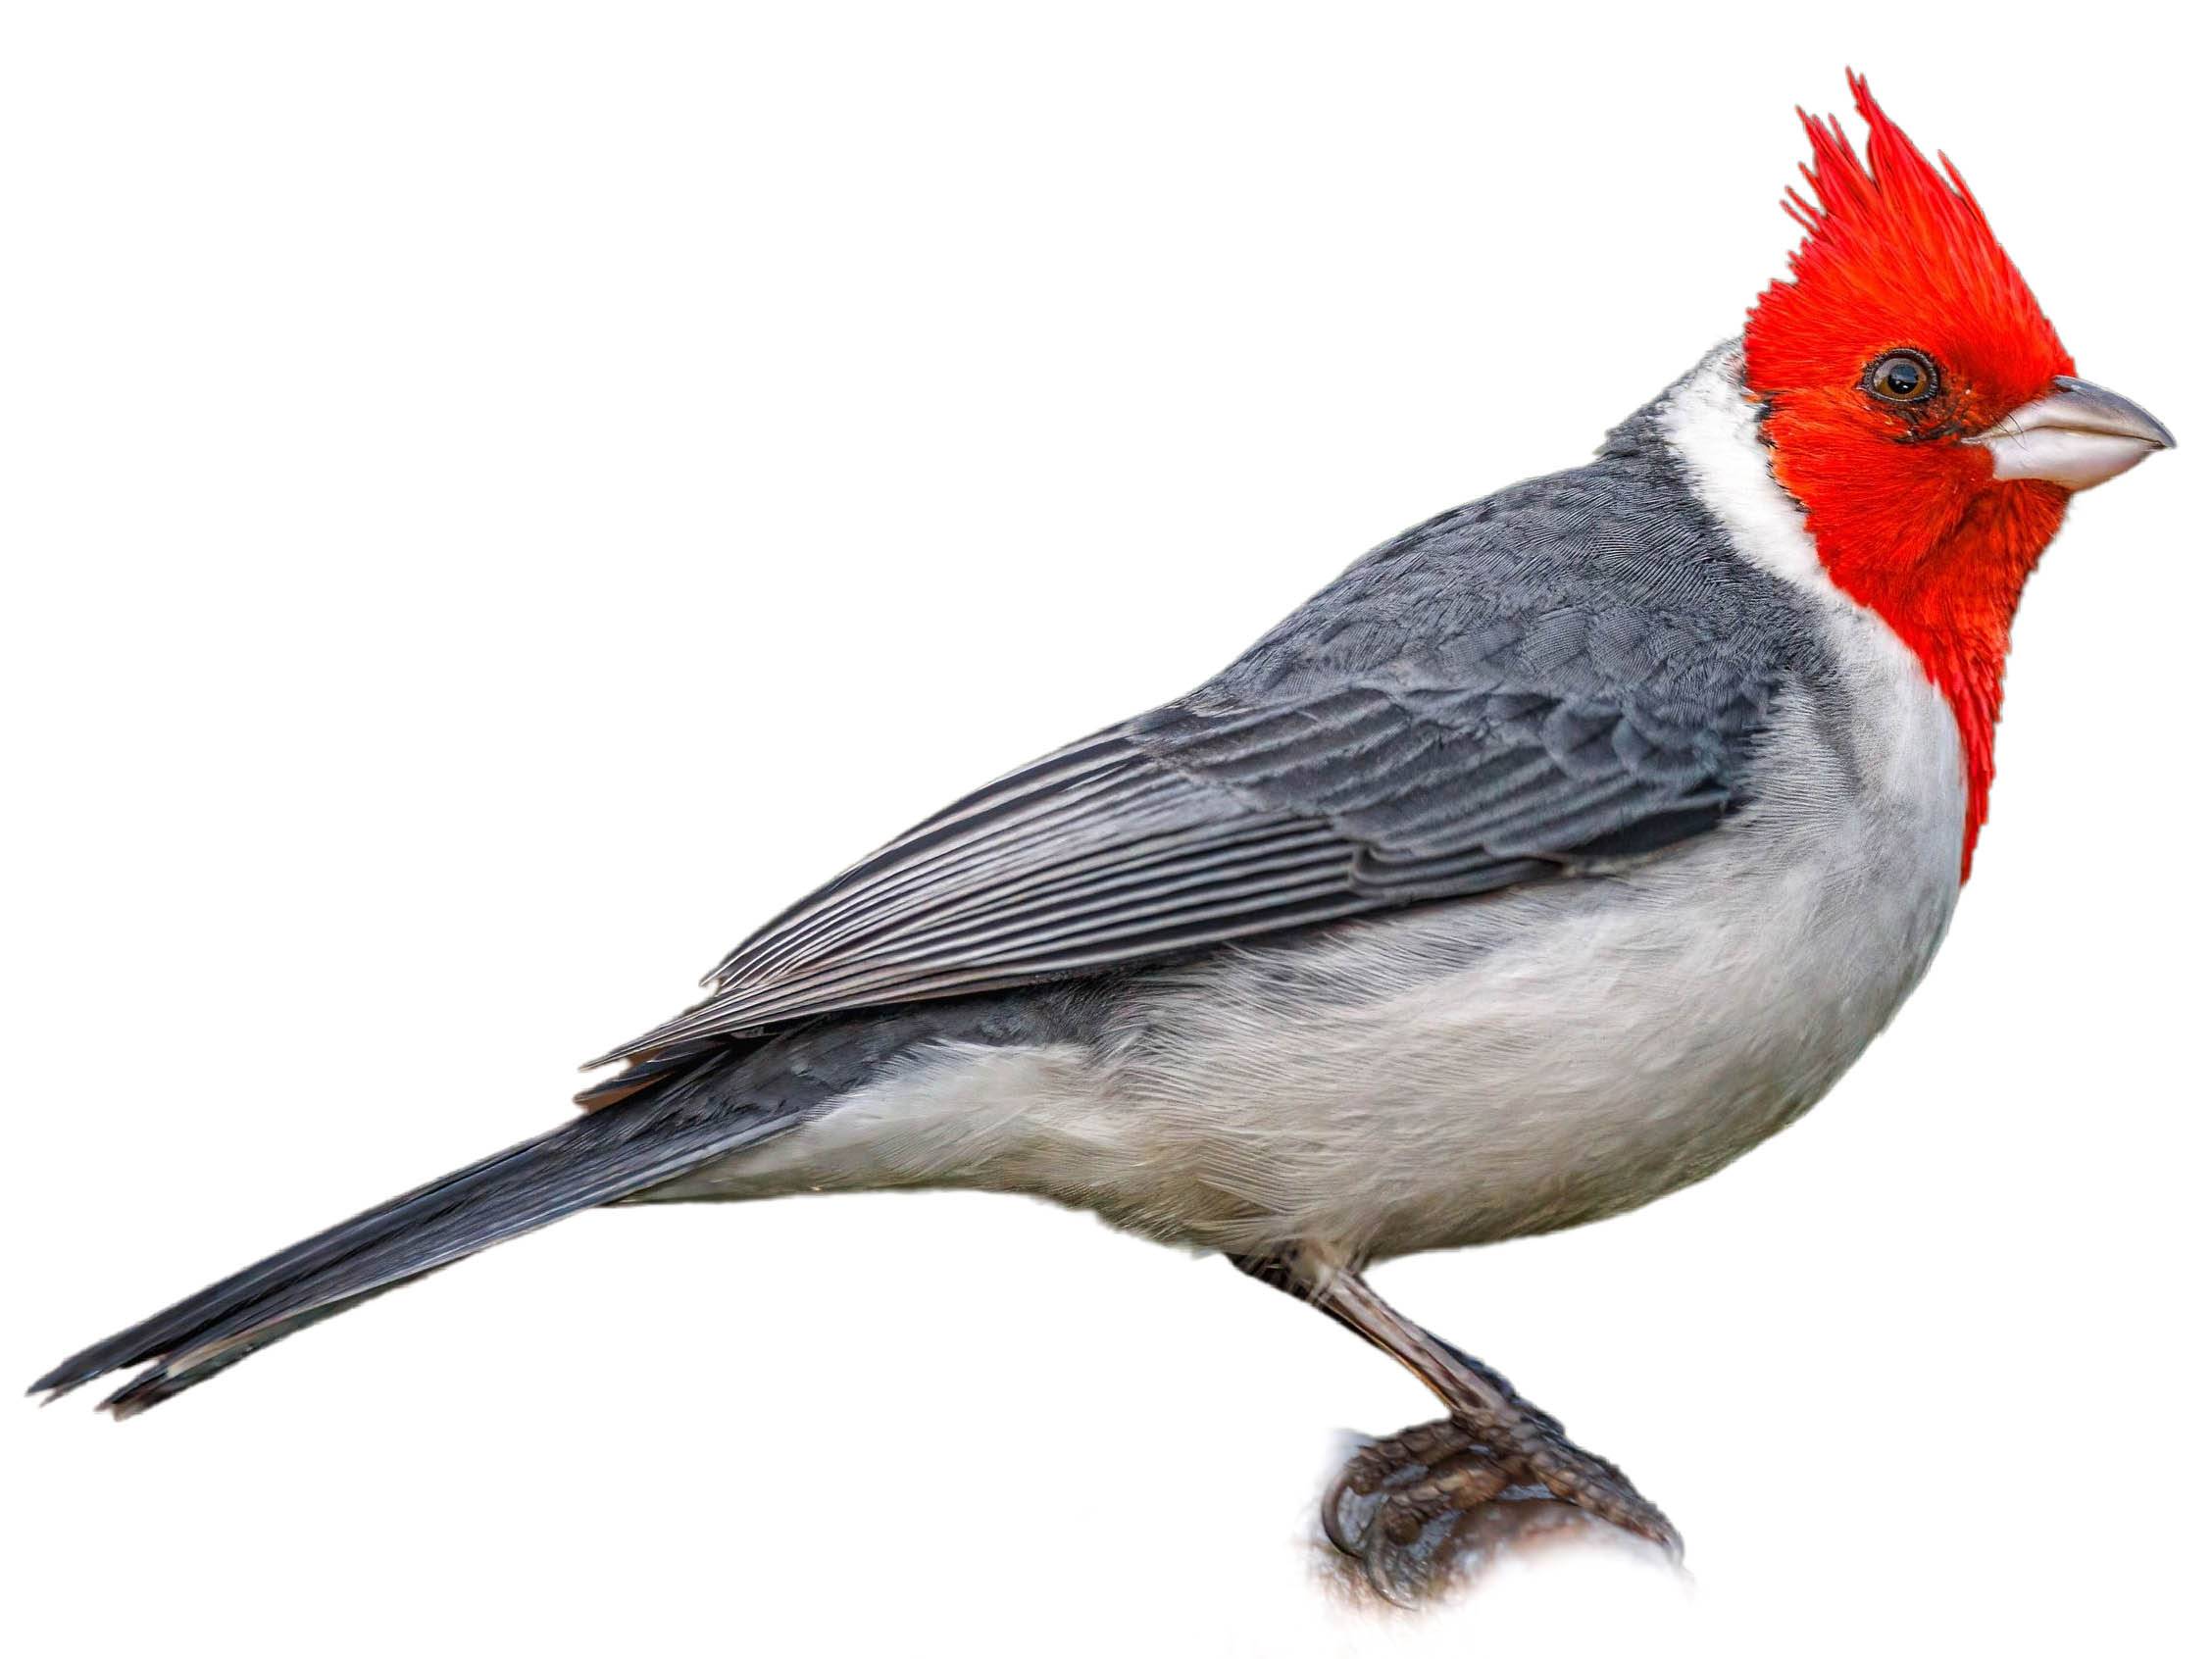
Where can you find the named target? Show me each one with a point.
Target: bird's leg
(1478, 1479)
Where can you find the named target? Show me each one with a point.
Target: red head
(1923, 412)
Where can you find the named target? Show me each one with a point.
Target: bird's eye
(1901, 376)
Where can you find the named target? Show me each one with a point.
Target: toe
(1349, 1507)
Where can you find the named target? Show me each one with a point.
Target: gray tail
(592, 1160)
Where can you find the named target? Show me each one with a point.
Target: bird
(1564, 848)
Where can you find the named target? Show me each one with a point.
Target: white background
(497, 500)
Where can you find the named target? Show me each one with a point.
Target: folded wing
(1569, 672)
(1197, 825)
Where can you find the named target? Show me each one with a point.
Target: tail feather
(610, 1154)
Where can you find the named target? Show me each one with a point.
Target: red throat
(1908, 521)
(1947, 588)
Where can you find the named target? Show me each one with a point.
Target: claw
(1378, 1581)
(1332, 1526)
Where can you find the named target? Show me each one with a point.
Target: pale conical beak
(2078, 436)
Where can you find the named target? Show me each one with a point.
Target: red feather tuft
(1897, 254)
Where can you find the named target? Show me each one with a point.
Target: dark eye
(1901, 376)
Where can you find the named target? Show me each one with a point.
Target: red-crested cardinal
(1563, 849)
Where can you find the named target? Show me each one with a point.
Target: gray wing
(1493, 698)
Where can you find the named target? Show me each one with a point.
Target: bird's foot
(1425, 1511)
